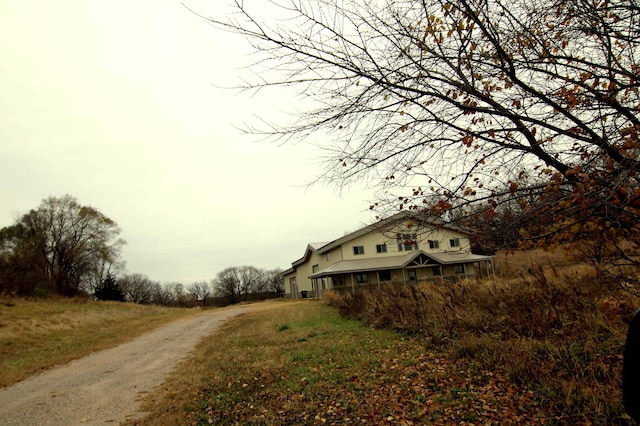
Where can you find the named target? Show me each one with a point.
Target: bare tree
(250, 280)
(450, 105)
(178, 293)
(261, 285)
(275, 282)
(137, 288)
(163, 295)
(227, 285)
(60, 246)
(238, 283)
(200, 292)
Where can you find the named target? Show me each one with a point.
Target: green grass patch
(326, 369)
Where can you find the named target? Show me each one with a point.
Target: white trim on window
(381, 248)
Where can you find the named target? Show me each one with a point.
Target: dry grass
(276, 367)
(306, 364)
(38, 334)
(551, 328)
(540, 344)
(518, 263)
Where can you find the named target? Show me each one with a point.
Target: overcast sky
(118, 104)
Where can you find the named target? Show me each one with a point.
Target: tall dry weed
(555, 330)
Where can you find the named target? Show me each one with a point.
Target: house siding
(342, 250)
(390, 239)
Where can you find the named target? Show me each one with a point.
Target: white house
(399, 249)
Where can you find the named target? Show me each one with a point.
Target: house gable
(421, 260)
(398, 243)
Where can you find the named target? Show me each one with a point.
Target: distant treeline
(64, 248)
(232, 285)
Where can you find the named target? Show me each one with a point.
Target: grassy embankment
(38, 334)
(541, 345)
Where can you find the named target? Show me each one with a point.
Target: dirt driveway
(104, 388)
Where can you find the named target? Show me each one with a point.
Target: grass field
(306, 364)
(539, 344)
(38, 334)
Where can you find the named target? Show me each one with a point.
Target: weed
(552, 328)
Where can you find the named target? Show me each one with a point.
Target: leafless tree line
(232, 285)
(68, 249)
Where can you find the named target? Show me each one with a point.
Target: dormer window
(357, 250)
(454, 242)
(381, 248)
(407, 242)
(433, 244)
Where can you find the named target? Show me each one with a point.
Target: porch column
(493, 271)
(353, 285)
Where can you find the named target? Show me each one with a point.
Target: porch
(408, 269)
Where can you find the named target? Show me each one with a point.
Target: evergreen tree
(109, 290)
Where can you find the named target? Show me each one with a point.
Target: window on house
(385, 275)
(407, 242)
(362, 278)
(437, 271)
(434, 244)
(454, 242)
(327, 256)
(358, 250)
(381, 248)
(412, 275)
(458, 269)
(315, 268)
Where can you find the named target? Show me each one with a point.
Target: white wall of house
(368, 248)
(370, 241)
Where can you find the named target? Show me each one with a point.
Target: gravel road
(104, 388)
